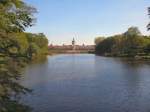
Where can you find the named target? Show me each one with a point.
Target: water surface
(88, 83)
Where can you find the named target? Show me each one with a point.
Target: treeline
(23, 44)
(16, 46)
(129, 44)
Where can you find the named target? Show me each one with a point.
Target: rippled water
(88, 83)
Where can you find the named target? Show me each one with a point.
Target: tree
(98, 40)
(15, 16)
(148, 26)
(130, 43)
(133, 41)
(38, 44)
(104, 46)
(132, 31)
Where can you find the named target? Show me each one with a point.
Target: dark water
(88, 83)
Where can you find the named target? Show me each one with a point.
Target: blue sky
(61, 20)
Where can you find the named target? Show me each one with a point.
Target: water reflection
(77, 83)
(10, 89)
(39, 60)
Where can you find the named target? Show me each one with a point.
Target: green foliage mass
(38, 44)
(15, 15)
(99, 39)
(16, 47)
(148, 26)
(131, 43)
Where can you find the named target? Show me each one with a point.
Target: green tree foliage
(104, 46)
(133, 41)
(38, 44)
(16, 47)
(130, 43)
(148, 26)
(99, 39)
(15, 15)
(132, 31)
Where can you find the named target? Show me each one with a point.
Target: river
(88, 83)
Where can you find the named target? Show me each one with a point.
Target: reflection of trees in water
(133, 73)
(133, 63)
(39, 59)
(10, 89)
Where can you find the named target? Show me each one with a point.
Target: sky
(61, 20)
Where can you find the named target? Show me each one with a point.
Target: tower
(73, 44)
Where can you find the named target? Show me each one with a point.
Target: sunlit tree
(98, 40)
(130, 43)
(15, 16)
(148, 26)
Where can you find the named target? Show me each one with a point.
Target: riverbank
(136, 57)
(57, 51)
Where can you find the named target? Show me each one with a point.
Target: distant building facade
(72, 46)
